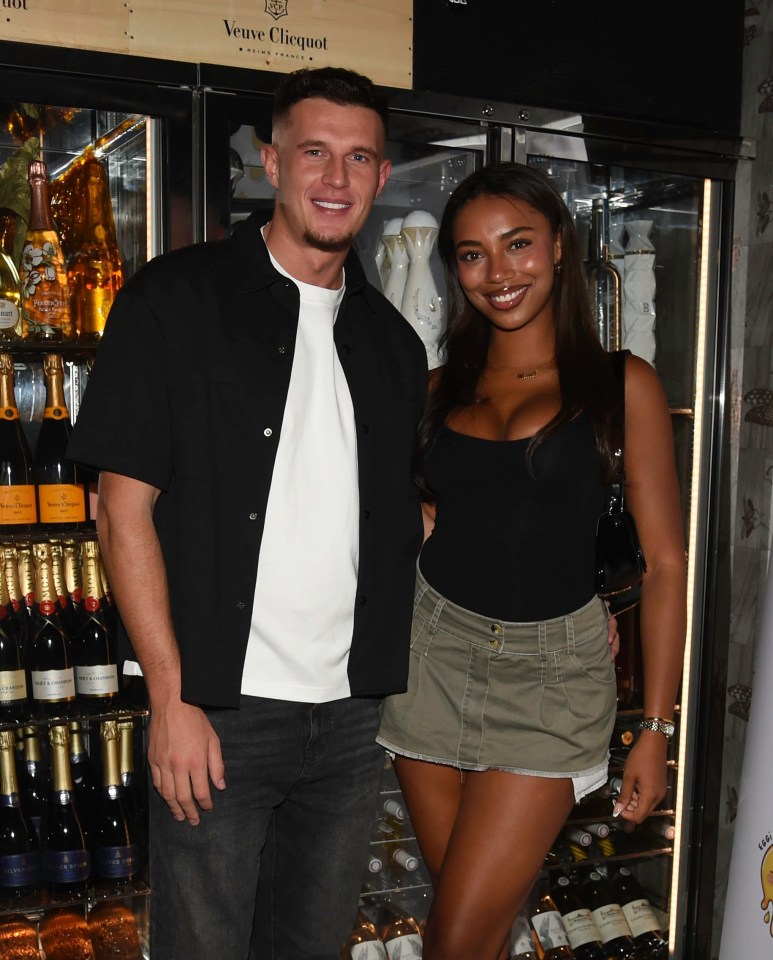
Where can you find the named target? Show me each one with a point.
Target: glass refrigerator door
(660, 232)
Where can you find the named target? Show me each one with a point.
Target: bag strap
(617, 361)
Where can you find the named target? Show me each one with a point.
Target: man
(252, 412)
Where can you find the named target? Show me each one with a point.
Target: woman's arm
(652, 490)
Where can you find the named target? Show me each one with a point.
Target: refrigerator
(664, 201)
(182, 146)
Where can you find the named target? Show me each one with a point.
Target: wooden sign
(374, 37)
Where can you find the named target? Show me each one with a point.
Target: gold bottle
(94, 269)
(45, 297)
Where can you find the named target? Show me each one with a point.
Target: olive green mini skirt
(530, 698)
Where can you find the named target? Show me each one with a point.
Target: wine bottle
(375, 864)
(364, 943)
(66, 861)
(57, 572)
(19, 846)
(10, 299)
(628, 663)
(18, 938)
(61, 494)
(18, 508)
(113, 932)
(13, 677)
(51, 669)
(94, 269)
(661, 827)
(399, 932)
(396, 811)
(608, 914)
(640, 916)
(84, 780)
(96, 672)
(522, 945)
(604, 280)
(34, 781)
(581, 930)
(27, 575)
(549, 932)
(64, 934)
(45, 296)
(402, 862)
(116, 854)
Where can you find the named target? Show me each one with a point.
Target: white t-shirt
(303, 612)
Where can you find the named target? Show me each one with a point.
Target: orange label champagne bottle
(45, 295)
(61, 494)
(18, 508)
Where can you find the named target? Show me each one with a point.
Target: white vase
(395, 261)
(639, 291)
(421, 304)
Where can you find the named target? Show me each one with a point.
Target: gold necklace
(525, 374)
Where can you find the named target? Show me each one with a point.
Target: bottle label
(641, 917)
(66, 866)
(581, 928)
(17, 504)
(116, 863)
(99, 681)
(611, 922)
(369, 950)
(405, 948)
(13, 686)
(62, 503)
(9, 314)
(19, 870)
(521, 938)
(53, 685)
(549, 930)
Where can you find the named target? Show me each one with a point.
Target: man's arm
(183, 749)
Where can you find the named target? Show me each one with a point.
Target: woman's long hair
(584, 373)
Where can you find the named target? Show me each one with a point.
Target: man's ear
(270, 158)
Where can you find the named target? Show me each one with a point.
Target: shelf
(78, 710)
(97, 892)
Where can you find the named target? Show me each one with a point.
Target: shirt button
(362, 599)
(366, 514)
(282, 350)
(346, 348)
(240, 605)
(267, 432)
(253, 516)
(365, 428)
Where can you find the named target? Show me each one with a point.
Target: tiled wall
(751, 413)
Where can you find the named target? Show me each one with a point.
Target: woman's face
(506, 256)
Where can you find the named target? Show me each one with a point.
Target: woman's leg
(503, 828)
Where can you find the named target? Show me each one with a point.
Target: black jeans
(306, 778)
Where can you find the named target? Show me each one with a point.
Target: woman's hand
(644, 777)
(613, 637)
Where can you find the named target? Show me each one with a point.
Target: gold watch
(666, 727)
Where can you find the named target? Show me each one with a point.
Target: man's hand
(183, 755)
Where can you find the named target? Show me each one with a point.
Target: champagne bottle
(73, 581)
(604, 280)
(19, 847)
(640, 916)
(84, 780)
(66, 861)
(10, 299)
(34, 781)
(399, 932)
(364, 943)
(27, 576)
(11, 576)
(549, 932)
(45, 294)
(116, 855)
(57, 572)
(18, 938)
(113, 932)
(51, 669)
(61, 494)
(609, 916)
(96, 672)
(581, 930)
(18, 508)
(13, 677)
(64, 935)
(94, 269)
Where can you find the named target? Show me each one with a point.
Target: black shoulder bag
(620, 563)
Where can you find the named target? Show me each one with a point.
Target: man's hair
(344, 87)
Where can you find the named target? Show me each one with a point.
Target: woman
(511, 697)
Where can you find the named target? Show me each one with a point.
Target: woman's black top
(510, 542)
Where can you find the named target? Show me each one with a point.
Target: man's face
(327, 165)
